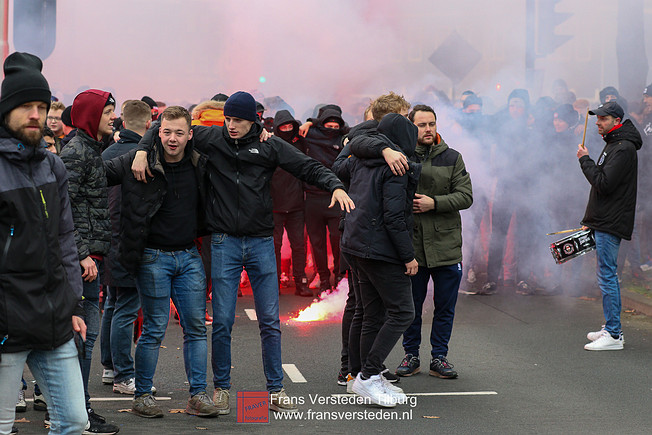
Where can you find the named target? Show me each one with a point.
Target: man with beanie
(610, 211)
(93, 115)
(287, 197)
(39, 258)
(239, 214)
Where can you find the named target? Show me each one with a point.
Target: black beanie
(65, 116)
(149, 100)
(567, 113)
(241, 105)
(23, 82)
(220, 97)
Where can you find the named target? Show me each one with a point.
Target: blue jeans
(256, 254)
(120, 312)
(606, 248)
(446, 280)
(57, 372)
(178, 275)
(92, 318)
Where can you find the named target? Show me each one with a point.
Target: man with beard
(39, 256)
(610, 211)
(287, 197)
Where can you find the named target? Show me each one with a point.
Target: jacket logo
(648, 129)
(254, 151)
(601, 161)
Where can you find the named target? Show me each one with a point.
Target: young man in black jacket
(160, 220)
(42, 287)
(377, 242)
(610, 211)
(239, 214)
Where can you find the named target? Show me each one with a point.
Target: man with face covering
(323, 143)
(287, 197)
(377, 242)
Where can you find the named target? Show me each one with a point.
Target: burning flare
(328, 308)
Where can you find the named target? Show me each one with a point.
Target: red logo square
(252, 407)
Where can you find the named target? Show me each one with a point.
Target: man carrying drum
(610, 211)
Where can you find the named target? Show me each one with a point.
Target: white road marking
(294, 374)
(452, 393)
(251, 313)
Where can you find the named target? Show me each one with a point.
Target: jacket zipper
(47, 264)
(237, 184)
(5, 251)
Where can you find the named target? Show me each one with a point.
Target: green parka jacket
(437, 236)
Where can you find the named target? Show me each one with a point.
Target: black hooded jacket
(286, 189)
(324, 144)
(612, 200)
(380, 227)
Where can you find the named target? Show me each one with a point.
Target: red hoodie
(87, 110)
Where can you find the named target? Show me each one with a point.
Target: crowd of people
(107, 219)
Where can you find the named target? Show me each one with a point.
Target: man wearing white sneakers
(610, 211)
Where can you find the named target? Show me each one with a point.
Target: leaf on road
(430, 416)
(201, 428)
(177, 411)
(124, 410)
(22, 420)
(163, 347)
(586, 298)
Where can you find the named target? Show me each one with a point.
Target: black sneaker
(523, 288)
(341, 378)
(97, 425)
(389, 376)
(409, 366)
(441, 368)
(303, 290)
(14, 429)
(487, 289)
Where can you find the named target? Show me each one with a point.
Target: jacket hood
(627, 132)
(400, 131)
(284, 117)
(331, 114)
(87, 110)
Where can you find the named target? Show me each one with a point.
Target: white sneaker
(389, 386)
(374, 390)
(107, 376)
(606, 342)
(596, 334)
(349, 383)
(128, 386)
(394, 391)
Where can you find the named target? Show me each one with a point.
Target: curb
(637, 302)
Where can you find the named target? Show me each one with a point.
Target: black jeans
(386, 294)
(318, 218)
(293, 223)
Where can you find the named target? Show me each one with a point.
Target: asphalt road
(522, 366)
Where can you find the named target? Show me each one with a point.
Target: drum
(572, 246)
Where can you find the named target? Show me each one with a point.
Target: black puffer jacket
(612, 200)
(40, 278)
(88, 194)
(380, 227)
(141, 201)
(115, 274)
(240, 171)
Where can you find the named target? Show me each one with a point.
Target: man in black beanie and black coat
(41, 287)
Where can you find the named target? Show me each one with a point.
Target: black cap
(648, 90)
(259, 107)
(23, 82)
(149, 100)
(472, 99)
(611, 108)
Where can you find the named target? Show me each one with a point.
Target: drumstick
(564, 231)
(586, 121)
